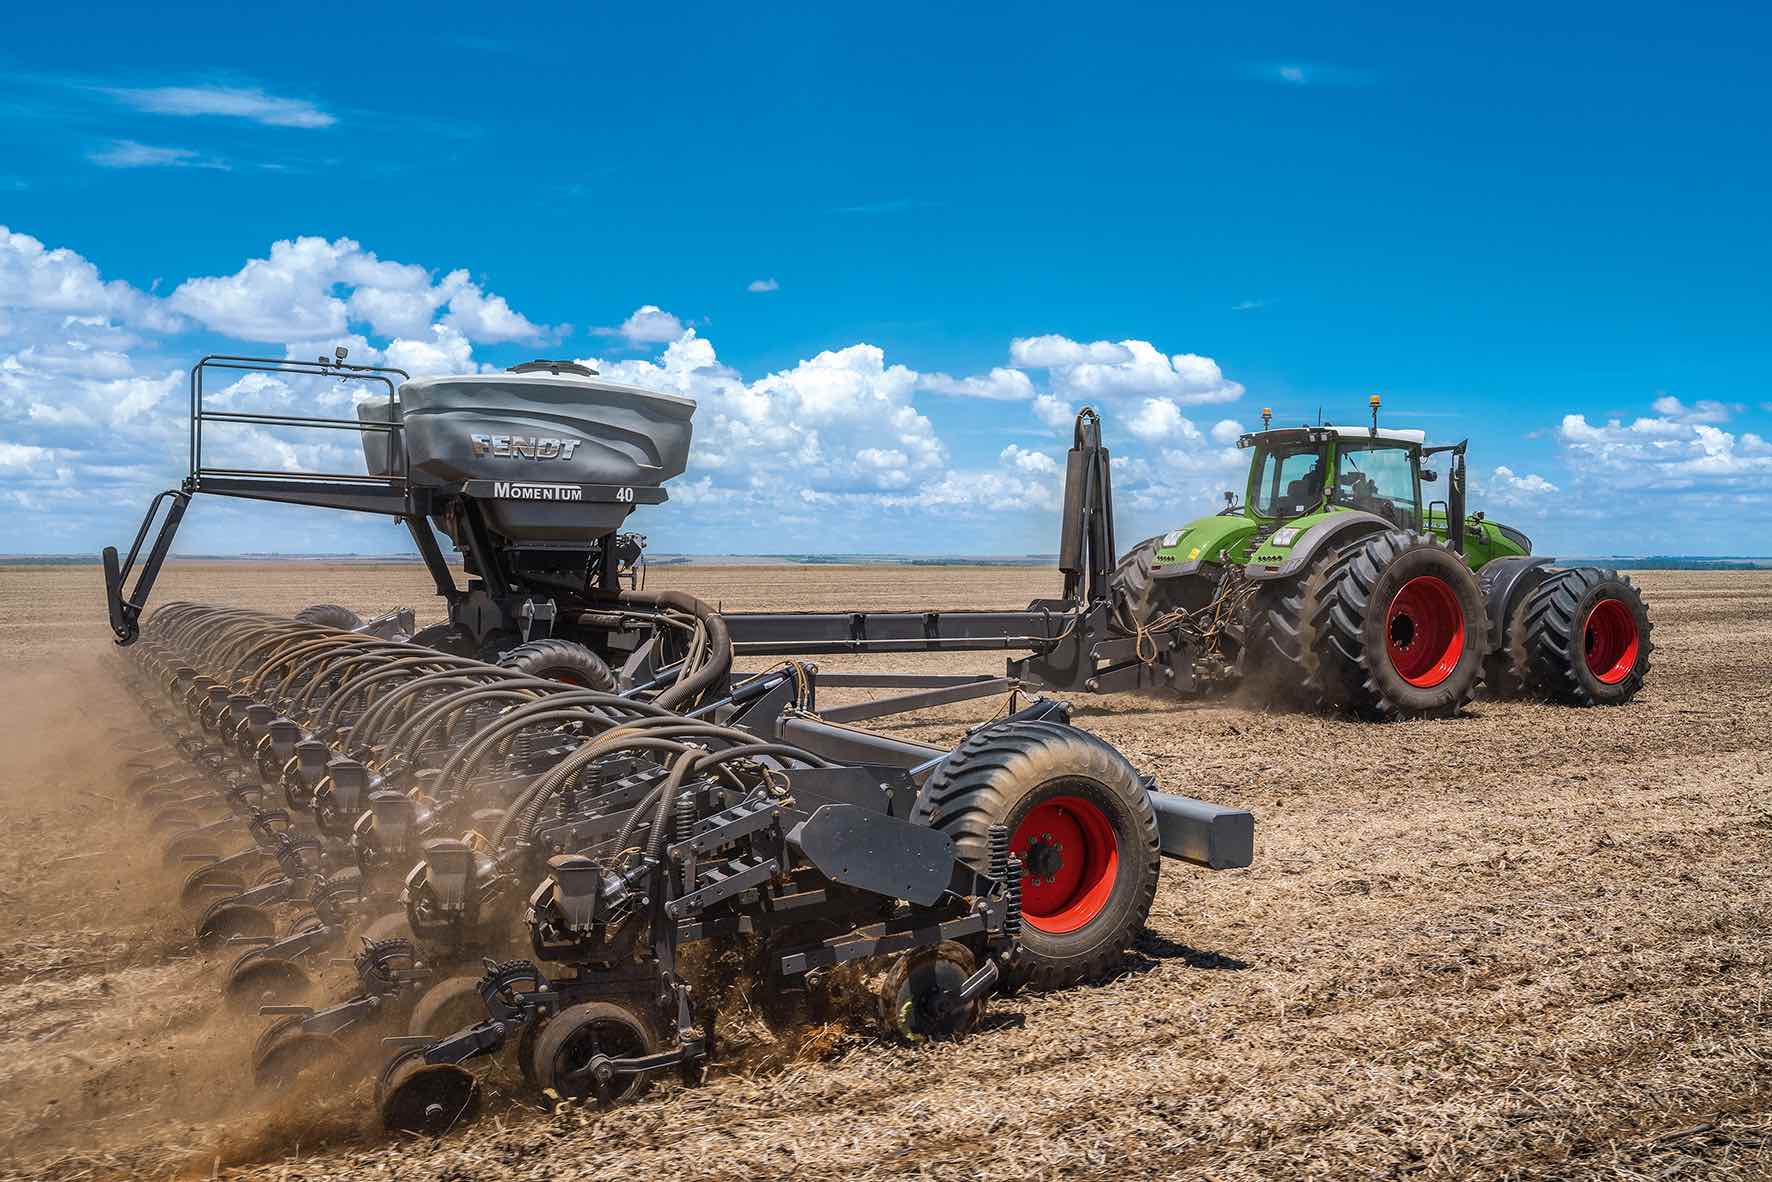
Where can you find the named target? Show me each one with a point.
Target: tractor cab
(1302, 471)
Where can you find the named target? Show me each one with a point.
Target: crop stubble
(1529, 942)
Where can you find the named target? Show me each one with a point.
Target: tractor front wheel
(1081, 822)
(1401, 627)
(1587, 637)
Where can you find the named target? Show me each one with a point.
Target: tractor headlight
(1287, 536)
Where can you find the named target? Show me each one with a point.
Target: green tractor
(1341, 582)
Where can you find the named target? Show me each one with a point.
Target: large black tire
(1504, 670)
(1587, 637)
(1400, 629)
(331, 615)
(1280, 658)
(446, 638)
(1131, 581)
(561, 660)
(1050, 784)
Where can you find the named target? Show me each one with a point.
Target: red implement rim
(1424, 631)
(1612, 641)
(1079, 834)
(565, 678)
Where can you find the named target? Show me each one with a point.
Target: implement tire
(1400, 628)
(1081, 821)
(1587, 637)
(331, 615)
(561, 660)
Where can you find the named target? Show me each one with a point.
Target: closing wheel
(206, 884)
(1081, 821)
(1399, 627)
(450, 1005)
(223, 921)
(189, 844)
(280, 1026)
(1587, 637)
(573, 1054)
(174, 820)
(280, 1060)
(430, 1098)
(919, 995)
(265, 981)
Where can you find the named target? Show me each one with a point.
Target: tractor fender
(1337, 530)
(1503, 582)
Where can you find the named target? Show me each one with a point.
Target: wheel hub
(1045, 858)
(1070, 860)
(1611, 641)
(1424, 631)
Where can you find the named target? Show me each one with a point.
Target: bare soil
(1530, 942)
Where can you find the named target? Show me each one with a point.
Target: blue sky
(1543, 227)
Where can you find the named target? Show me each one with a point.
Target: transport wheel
(1400, 627)
(265, 981)
(452, 1004)
(331, 615)
(917, 995)
(206, 884)
(224, 920)
(1081, 822)
(294, 1054)
(1587, 637)
(571, 1053)
(561, 660)
(431, 1098)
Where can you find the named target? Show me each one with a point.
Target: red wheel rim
(1612, 641)
(1424, 631)
(567, 679)
(1070, 858)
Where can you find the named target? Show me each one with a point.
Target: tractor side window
(1379, 480)
(1290, 483)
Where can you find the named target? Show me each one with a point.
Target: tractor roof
(1285, 435)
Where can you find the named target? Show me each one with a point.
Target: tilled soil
(1531, 942)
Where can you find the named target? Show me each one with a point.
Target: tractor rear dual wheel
(1585, 638)
(1080, 820)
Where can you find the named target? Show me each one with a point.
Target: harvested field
(1531, 942)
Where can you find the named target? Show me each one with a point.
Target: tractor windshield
(1289, 480)
(1378, 480)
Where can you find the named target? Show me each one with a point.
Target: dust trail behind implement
(1531, 942)
(117, 1055)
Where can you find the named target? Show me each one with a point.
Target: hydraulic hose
(718, 641)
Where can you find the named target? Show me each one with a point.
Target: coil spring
(685, 816)
(1006, 869)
